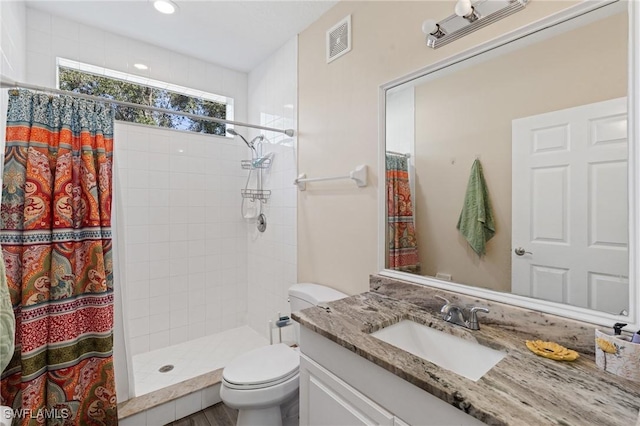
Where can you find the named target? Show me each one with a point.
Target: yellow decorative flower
(551, 350)
(606, 346)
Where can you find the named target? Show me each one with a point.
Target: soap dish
(551, 350)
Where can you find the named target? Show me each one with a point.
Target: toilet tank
(306, 295)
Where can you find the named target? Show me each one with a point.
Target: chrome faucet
(457, 315)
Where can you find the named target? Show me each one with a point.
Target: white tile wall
(177, 409)
(13, 36)
(178, 288)
(271, 260)
(188, 404)
(162, 414)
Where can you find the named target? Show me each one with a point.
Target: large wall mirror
(508, 170)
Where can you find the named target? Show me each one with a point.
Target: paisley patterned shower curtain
(401, 233)
(56, 240)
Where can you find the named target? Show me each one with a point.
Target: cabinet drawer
(326, 400)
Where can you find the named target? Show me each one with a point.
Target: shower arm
(251, 145)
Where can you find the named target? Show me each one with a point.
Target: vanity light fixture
(468, 17)
(165, 6)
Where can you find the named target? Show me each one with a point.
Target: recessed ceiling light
(165, 6)
(141, 66)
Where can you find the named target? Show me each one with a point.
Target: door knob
(519, 251)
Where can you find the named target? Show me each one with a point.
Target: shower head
(234, 133)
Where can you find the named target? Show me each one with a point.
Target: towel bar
(359, 176)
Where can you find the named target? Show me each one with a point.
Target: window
(91, 80)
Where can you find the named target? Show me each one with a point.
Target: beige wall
(469, 112)
(338, 125)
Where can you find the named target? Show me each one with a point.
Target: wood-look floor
(216, 415)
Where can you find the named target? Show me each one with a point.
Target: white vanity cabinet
(340, 388)
(330, 401)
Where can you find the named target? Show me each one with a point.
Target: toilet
(263, 383)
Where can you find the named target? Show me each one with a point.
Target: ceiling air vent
(339, 39)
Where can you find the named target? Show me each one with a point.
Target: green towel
(476, 219)
(7, 320)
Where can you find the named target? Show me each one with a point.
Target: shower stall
(185, 252)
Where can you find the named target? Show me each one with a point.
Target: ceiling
(235, 34)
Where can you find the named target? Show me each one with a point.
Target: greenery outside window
(92, 80)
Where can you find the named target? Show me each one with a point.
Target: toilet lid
(262, 366)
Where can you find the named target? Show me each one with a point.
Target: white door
(569, 176)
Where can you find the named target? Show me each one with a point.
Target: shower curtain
(401, 233)
(56, 240)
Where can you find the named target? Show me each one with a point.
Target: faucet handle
(445, 300)
(446, 303)
(473, 316)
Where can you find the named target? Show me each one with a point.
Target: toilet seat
(240, 386)
(261, 368)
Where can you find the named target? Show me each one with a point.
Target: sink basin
(466, 358)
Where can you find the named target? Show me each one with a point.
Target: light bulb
(429, 26)
(165, 6)
(463, 7)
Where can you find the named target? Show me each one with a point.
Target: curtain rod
(403, 154)
(6, 83)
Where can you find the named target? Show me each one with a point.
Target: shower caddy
(258, 164)
(256, 194)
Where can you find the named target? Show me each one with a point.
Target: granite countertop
(522, 389)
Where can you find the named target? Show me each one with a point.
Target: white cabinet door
(325, 400)
(570, 206)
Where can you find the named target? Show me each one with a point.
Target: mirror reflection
(509, 171)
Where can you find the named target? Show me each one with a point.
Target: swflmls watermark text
(42, 413)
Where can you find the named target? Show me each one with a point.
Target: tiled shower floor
(193, 358)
